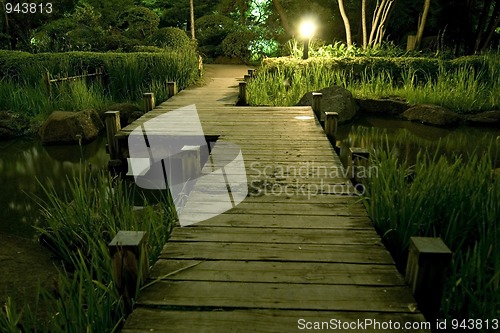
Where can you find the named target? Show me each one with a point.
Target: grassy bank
(447, 198)
(78, 226)
(465, 85)
(126, 77)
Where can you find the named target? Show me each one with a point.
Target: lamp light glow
(307, 29)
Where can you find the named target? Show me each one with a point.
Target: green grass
(441, 197)
(464, 87)
(78, 225)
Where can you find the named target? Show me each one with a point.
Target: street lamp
(307, 29)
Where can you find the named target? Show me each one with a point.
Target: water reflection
(26, 165)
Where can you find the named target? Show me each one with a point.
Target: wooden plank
(227, 295)
(263, 321)
(274, 236)
(249, 220)
(278, 272)
(372, 253)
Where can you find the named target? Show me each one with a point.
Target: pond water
(26, 165)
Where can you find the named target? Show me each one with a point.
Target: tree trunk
(284, 19)
(380, 15)
(363, 24)
(482, 23)
(494, 22)
(347, 25)
(421, 26)
(191, 16)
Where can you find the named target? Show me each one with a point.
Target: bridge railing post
(113, 126)
(243, 94)
(316, 105)
(149, 101)
(171, 88)
(358, 163)
(428, 260)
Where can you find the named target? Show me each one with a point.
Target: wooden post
(358, 163)
(251, 72)
(243, 94)
(113, 126)
(130, 263)
(316, 105)
(428, 259)
(171, 88)
(47, 83)
(331, 124)
(191, 166)
(149, 101)
(247, 78)
(411, 42)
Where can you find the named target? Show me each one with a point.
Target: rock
(485, 118)
(13, 125)
(63, 127)
(432, 115)
(335, 99)
(390, 107)
(128, 112)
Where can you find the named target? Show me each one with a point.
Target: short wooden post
(428, 259)
(243, 94)
(247, 78)
(251, 72)
(358, 163)
(171, 88)
(130, 263)
(191, 166)
(48, 83)
(113, 126)
(411, 42)
(331, 124)
(316, 105)
(149, 101)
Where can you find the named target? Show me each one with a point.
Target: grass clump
(447, 198)
(465, 85)
(78, 226)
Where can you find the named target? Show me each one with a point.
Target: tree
(421, 24)
(191, 16)
(363, 24)
(380, 16)
(283, 17)
(347, 25)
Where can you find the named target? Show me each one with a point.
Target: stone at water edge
(432, 115)
(335, 99)
(13, 125)
(485, 118)
(63, 127)
(391, 107)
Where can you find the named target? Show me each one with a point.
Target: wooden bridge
(298, 252)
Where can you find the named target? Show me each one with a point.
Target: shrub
(211, 31)
(237, 44)
(173, 38)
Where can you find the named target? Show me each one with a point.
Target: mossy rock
(63, 127)
(13, 125)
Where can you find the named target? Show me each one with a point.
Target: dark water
(26, 165)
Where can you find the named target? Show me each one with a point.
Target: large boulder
(485, 118)
(63, 127)
(335, 99)
(391, 107)
(432, 115)
(13, 125)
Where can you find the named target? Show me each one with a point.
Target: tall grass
(456, 201)
(78, 226)
(464, 88)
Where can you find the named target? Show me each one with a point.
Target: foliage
(451, 199)
(126, 77)
(237, 45)
(173, 38)
(211, 30)
(139, 22)
(466, 85)
(78, 226)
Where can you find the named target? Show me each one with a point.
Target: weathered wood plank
(265, 321)
(274, 236)
(214, 295)
(278, 272)
(372, 253)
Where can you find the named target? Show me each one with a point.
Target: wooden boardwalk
(299, 249)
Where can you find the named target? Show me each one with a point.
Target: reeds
(78, 225)
(448, 198)
(463, 86)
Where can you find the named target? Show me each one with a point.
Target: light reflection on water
(27, 165)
